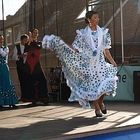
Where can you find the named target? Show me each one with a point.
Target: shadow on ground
(46, 129)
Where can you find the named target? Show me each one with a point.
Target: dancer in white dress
(88, 75)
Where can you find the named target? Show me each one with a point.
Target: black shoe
(104, 110)
(98, 114)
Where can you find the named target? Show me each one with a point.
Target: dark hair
(89, 15)
(34, 30)
(23, 36)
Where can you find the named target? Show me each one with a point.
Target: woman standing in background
(7, 88)
(36, 80)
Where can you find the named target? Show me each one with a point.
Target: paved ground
(65, 121)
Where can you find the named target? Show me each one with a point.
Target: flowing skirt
(7, 88)
(86, 81)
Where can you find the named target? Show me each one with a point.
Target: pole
(30, 15)
(114, 47)
(34, 10)
(43, 14)
(121, 12)
(3, 21)
(86, 6)
(57, 33)
(56, 8)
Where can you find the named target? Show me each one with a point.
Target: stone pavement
(60, 121)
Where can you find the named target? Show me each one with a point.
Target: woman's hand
(115, 65)
(30, 38)
(109, 57)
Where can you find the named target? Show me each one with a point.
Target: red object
(33, 58)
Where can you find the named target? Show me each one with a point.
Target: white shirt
(15, 55)
(4, 52)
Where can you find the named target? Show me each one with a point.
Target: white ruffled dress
(88, 74)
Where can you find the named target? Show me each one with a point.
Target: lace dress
(88, 74)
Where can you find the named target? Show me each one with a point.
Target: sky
(10, 7)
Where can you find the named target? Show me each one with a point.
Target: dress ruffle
(87, 81)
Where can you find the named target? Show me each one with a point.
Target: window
(9, 36)
(16, 34)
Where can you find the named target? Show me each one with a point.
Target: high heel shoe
(98, 114)
(103, 110)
